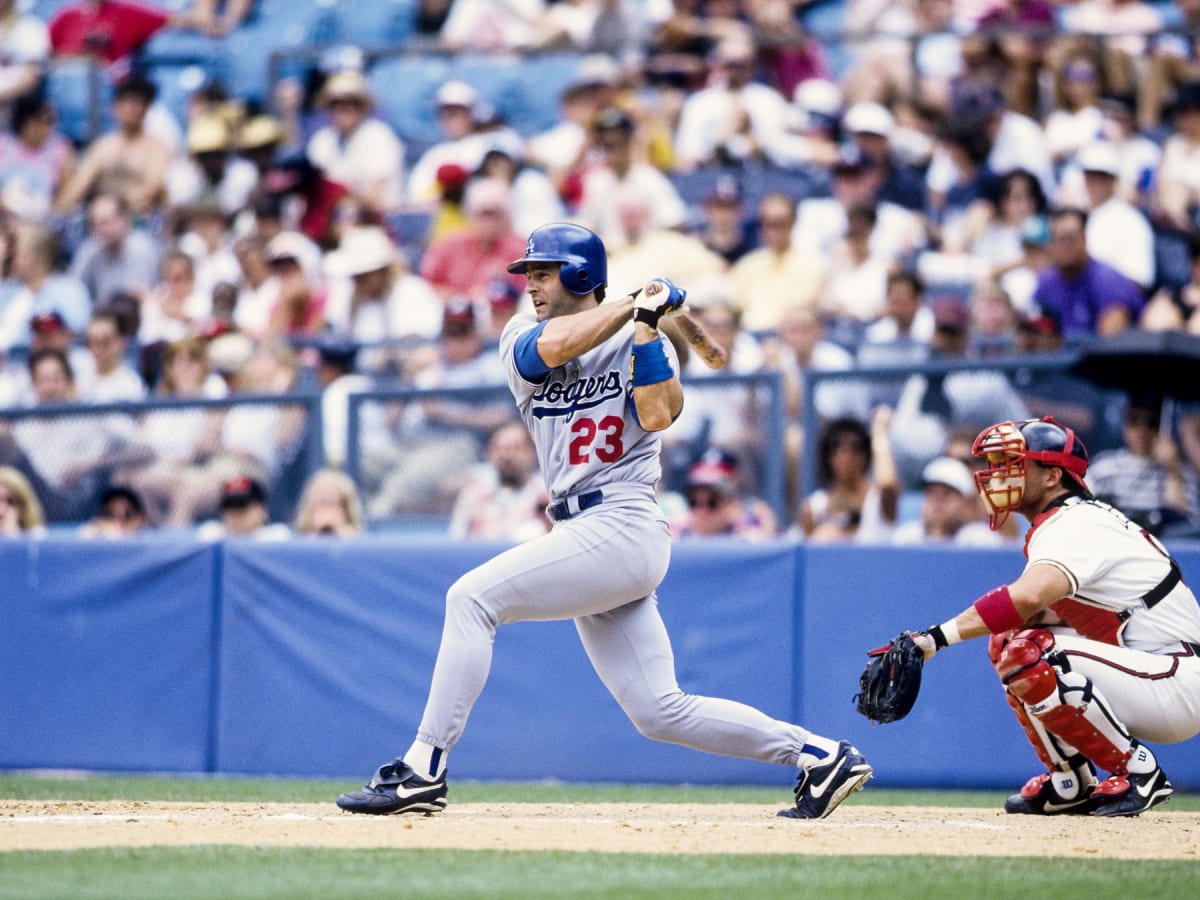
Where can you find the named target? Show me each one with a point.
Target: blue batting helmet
(581, 252)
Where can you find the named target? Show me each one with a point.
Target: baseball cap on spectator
(349, 84)
(707, 473)
(954, 473)
(597, 70)
(364, 249)
(229, 353)
(868, 117)
(338, 353)
(458, 318)
(207, 134)
(852, 160)
(1099, 157)
(818, 95)
(457, 93)
(485, 195)
(975, 100)
(240, 492)
(47, 322)
(451, 177)
(724, 192)
(286, 246)
(949, 314)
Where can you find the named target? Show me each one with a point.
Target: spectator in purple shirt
(1085, 295)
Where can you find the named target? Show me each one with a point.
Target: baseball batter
(594, 382)
(1097, 642)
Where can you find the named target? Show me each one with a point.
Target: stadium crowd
(949, 179)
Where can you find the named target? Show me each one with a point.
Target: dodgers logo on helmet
(584, 263)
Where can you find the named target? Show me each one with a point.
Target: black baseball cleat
(1039, 798)
(820, 789)
(1131, 795)
(396, 788)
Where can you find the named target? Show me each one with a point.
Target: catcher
(1097, 642)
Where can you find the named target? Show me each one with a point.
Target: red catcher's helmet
(1008, 445)
(581, 252)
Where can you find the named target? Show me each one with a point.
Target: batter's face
(550, 297)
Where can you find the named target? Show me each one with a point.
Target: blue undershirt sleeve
(528, 361)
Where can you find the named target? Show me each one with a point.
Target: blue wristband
(650, 364)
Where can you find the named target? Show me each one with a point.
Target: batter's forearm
(566, 337)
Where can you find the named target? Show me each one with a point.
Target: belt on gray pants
(572, 506)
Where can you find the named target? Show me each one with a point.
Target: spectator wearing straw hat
(374, 296)
(359, 152)
(210, 171)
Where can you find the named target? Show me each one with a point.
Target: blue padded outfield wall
(312, 658)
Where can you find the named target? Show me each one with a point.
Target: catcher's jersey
(1112, 564)
(581, 417)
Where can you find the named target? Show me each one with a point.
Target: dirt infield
(612, 827)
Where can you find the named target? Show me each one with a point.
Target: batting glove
(658, 298)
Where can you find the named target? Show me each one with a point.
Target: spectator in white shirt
(113, 380)
(735, 119)
(358, 152)
(618, 167)
(24, 50)
(1117, 232)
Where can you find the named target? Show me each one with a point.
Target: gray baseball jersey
(581, 417)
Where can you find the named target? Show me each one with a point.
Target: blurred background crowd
(252, 253)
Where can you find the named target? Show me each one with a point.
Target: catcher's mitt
(891, 681)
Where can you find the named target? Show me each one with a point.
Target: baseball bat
(712, 353)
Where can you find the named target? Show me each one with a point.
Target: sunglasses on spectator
(11, 500)
(704, 501)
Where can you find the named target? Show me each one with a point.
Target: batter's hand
(658, 298)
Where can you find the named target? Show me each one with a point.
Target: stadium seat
(403, 88)
(539, 85)
(410, 231)
(246, 53)
(176, 83)
(75, 84)
(381, 23)
(1171, 257)
(175, 45)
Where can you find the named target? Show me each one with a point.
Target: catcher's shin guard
(1062, 703)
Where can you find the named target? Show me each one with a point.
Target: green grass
(255, 872)
(233, 871)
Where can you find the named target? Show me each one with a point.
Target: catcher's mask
(581, 252)
(1008, 445)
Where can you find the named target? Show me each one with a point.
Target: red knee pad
(1023, 668)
